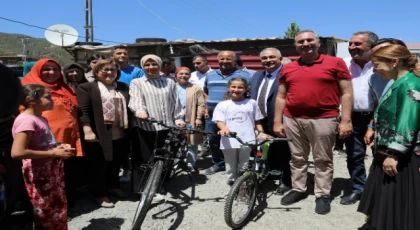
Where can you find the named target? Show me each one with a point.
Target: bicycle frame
(176, 139)
(256, 164)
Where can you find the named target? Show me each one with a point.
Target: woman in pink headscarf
(193, 105)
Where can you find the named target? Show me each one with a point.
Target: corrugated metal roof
(193, 41)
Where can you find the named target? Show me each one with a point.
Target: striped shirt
(158, 98)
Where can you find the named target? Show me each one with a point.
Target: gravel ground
(199, 205)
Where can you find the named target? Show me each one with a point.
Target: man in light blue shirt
(128, 72)
(215, 88)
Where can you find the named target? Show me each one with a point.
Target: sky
(125, 20)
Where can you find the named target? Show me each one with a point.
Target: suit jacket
(271, 100)
(90, 104)
(397, 115)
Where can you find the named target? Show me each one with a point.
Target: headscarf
(27, 67)
(181, 68)
(154, 58)
(74, 65)
(57, 89)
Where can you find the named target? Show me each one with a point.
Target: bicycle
(245, 188)
(162, 165)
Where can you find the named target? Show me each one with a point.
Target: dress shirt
(362, 94)
(270, 83)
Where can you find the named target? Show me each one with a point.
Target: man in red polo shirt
(307, 112)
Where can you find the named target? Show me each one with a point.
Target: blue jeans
(192, 155)
(214, 142)
(356, 151)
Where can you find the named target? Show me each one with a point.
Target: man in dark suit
(264, 85)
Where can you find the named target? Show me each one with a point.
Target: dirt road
(199, 205)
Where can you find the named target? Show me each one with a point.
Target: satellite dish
(61, 35)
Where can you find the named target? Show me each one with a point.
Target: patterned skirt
(45, 185)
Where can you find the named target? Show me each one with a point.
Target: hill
(11, 45)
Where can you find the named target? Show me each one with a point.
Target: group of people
(71, 120)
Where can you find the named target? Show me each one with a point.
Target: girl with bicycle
(240, 114)
(42, 159)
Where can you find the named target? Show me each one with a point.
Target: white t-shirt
(198, 78)
(239, 117)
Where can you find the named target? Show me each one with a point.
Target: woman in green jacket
(391, 197)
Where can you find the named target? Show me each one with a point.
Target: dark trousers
(13, 181)
(279, 159)
(104, 174)
(279, 156)
(75, 171)
(214, 142)
(142, 147)
(356, 150)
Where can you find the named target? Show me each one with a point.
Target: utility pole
(88, 21)
(24, 40)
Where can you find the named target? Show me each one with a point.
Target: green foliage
(292, 31)
(11, 45)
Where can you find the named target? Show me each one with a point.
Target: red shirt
(312, 90)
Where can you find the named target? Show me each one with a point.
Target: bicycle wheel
(244, 191)
(147, 194)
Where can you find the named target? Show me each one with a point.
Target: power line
(163, 20)
(43, 28)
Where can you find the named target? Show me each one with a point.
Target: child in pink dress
(42, 160)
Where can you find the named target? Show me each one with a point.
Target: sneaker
(193, 170)
(323, 205)
(292, 197)
(104, 202)
(125, 178)
(212, 170)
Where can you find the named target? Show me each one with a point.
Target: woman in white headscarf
(156, 97)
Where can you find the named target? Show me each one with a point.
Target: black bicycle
(162, 165)
(245, 189)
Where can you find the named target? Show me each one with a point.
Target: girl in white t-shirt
(238, 114)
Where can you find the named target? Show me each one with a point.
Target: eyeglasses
(109, 70)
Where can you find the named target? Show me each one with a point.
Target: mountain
(11, 45)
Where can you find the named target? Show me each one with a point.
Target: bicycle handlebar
(194, 130)
(274, 139)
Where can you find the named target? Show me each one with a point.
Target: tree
(292, 31)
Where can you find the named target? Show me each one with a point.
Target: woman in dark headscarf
(74, 74)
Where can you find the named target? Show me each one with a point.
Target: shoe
(104, 202)
(292, 197)
(194, 170)
(340, 152)
(282, 189)
(351, 199)
(125, 178)
(118, 193)
(212, 170)
(323, 205)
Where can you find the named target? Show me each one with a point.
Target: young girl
(42, 159)
(241, 115)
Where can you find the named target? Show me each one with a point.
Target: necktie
(261, 98)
